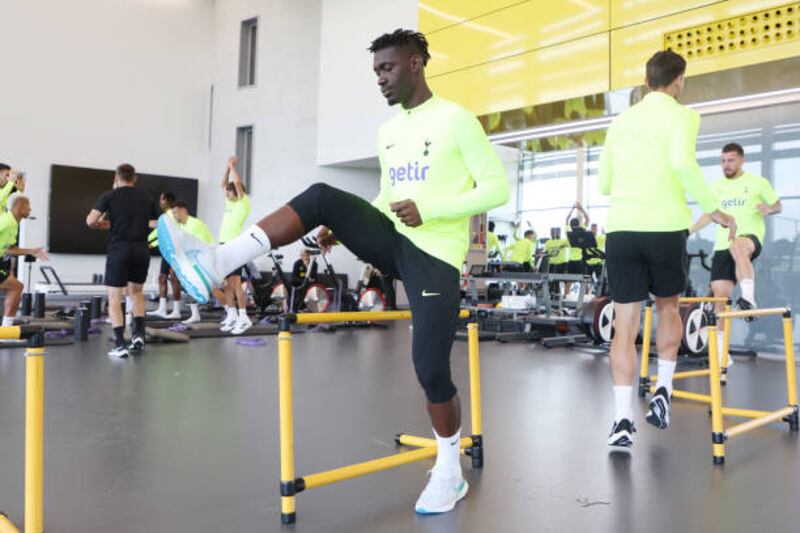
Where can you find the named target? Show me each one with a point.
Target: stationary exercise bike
(598, 315)
(365, 297)
(316, 297)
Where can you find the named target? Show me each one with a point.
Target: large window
(548, 187)
(247, 52)
(244, 153)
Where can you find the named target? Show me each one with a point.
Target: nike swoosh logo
(454, 443)
(389, 146)
(426, 293)
(253, 235)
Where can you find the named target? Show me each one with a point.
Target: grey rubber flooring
(184, 439)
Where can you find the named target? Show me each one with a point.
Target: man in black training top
(128, 214)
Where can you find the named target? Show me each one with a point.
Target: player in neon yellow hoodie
(648, 166)
(437, 170)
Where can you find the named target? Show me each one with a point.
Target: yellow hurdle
(34, 428)
(645, 381)
(789, 414)
(358, 316)
(290, 483)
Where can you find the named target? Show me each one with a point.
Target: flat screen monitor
(73, 192)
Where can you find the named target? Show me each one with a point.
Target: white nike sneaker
(443, 491)
(191, 259)
(243, 323)
(160, 313)
(174, 315)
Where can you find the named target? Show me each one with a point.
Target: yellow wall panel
(632, 46)
(567, 70)
(514, 30)
(626, 12)
(437, 14)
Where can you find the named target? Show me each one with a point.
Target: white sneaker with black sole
(136, 344)
(658, 415)
(443, 491)
(118, 351)
(621, 436)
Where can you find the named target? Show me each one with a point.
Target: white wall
(350, 105)
(97, 83)
(283, 107)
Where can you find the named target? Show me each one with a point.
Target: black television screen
(73, 192)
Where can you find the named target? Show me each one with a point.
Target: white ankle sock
(162, 304)
(449, 450)
(8, 321)
(195, 308)
(748, 290)
(242, 313)
(666, 369)
(252, 243)
(231, 313)
(176, 306)
(622, 402)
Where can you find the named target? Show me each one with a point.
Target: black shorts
(576, 267)
(6, 268)
(723, 267)
(560, 268)
(126, 263)
(432, 286)
(164, 269)
(643, 262)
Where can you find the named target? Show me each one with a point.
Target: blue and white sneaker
(443, 491)
(190, 258)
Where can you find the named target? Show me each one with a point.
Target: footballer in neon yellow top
(437, 170)
(648, 166)
(748, 198)
(9, 226)
(165, 202)
(237, 209)
(198, 229)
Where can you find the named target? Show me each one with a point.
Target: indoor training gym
(387, 266)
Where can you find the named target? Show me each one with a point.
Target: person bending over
(437, 170)
(748, 198)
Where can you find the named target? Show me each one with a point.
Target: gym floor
(184, 439)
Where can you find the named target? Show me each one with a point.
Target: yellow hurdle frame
(290, 483)
(646, 381)
(34, 428)
(759, 418)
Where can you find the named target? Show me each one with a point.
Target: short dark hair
(528, 233)
(168, 196)
(126, 172)
(664, 67)
(401, 37)
(3, 167)
(181, 204)
(733, 147)
(491, 225)
(574, 222)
